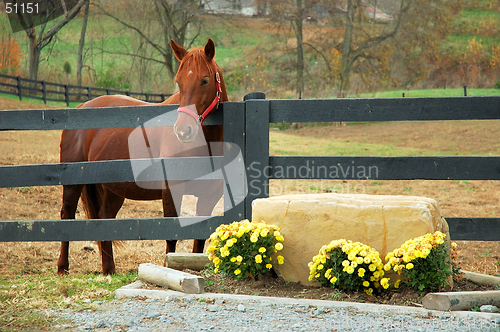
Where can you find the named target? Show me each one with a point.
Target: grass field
(27, 270)
(239, 43)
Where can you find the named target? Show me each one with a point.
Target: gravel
(188, 314)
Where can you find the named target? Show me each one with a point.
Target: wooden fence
(46, 91)
(246, 125)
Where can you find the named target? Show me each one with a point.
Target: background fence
(246, 125)
(46, 91)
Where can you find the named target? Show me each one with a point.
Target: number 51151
(22, 8)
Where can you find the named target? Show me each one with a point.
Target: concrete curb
(134, 290)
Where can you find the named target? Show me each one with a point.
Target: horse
(201, 88)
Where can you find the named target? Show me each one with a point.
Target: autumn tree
(10, 51)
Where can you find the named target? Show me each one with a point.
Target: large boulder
(310, 221)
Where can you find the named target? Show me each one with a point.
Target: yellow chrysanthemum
(366, 283)
(333, 280)
(262, 250)
(346, 263)
(258, 259)
(278, 246)
(361, 272)
(385, 282)
(269, 266)
(409, 266)
(237, 271)
(281, 260)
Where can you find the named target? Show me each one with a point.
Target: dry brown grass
(456, 198)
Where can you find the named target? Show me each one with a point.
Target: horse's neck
(175, 98)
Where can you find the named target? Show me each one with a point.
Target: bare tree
(357, 42)
(45, 37)
(81, 43)
(175, 17)
(285, 12)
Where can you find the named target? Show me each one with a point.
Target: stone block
(310, 221)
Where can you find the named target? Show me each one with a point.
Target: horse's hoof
(62, 272)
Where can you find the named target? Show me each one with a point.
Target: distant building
(236, 7)
(315, 9)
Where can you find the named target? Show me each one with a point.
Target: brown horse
(201, 87)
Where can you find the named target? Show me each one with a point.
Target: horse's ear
(210, 49)
(179, 51)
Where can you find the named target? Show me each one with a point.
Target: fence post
(234, 138)
(66, 94)
(19, 87)
(147, 97)
(89, 94)
(256, 148)
(44, 92)
(465, 90)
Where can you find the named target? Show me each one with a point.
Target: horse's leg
(169, 210)
(111, 204)
(71, 195)
(204, 207)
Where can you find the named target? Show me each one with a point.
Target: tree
(10, 52)
(81, 43)
(292, 11)
(36, 44)
(358, 40)
(175, 17)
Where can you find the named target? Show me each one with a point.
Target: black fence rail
(246, 125)
(261, 167)
(47, 91)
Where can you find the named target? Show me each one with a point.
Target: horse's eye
(204, 81)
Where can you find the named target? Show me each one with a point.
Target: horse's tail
(92, 201)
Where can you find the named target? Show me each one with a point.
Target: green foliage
(67, 68)
(497, 85)
(244, 250)
(424, 262)
(110, 79)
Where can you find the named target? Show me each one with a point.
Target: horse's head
(201, 87)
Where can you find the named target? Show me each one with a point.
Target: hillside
(257, 54)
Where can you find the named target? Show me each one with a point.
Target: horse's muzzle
(186, 128)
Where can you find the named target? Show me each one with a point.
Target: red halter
(214, 105)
